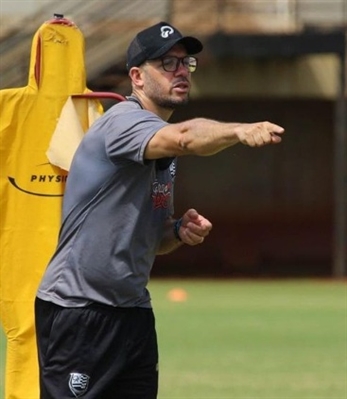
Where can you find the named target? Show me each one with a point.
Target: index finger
(273, 128)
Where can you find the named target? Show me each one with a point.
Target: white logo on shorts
(78, 384)
(166, 31)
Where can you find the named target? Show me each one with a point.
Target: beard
(169, 102)
(166, 101)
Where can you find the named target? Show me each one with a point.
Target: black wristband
(176, 228)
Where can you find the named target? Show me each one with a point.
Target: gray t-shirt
(114, 210)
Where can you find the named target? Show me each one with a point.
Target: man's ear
(135, 75)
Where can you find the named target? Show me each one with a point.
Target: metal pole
(296, 11)
(220, 8)
(340, 176)
(169, 11)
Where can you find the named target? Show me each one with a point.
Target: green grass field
(252, 339)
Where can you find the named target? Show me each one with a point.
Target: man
(95, 326)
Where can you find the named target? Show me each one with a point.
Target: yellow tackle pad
(40, 126)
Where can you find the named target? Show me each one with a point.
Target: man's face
(167, 89)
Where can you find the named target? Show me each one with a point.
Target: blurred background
(279, 210)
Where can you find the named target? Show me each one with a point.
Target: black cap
(157, 40)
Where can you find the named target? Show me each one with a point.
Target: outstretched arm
(206, 137)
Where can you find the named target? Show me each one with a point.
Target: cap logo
(166, 31)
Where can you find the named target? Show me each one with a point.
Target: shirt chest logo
(161, 194)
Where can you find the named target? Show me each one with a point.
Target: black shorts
(96, 352)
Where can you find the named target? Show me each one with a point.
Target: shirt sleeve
(129, 133)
